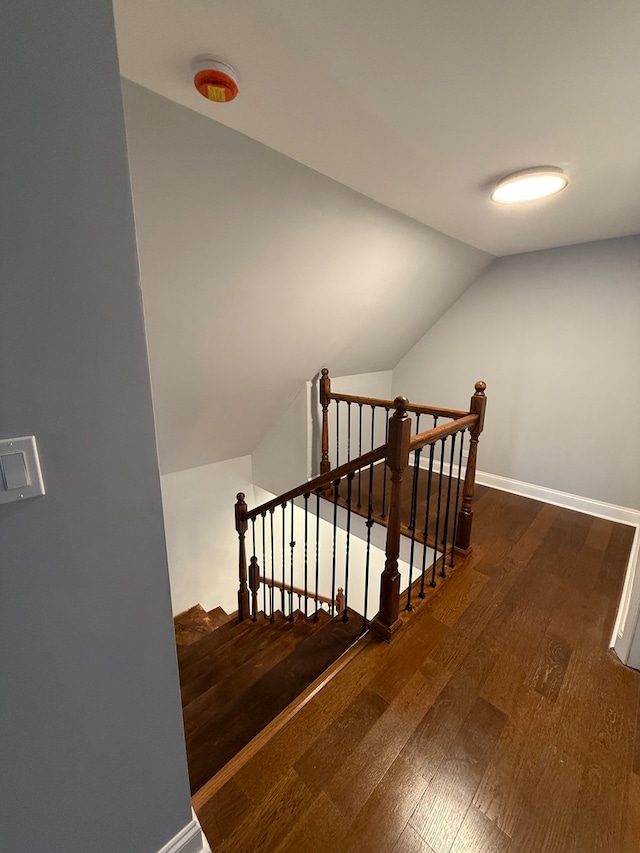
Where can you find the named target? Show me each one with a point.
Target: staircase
(235, 677)
(238, 672)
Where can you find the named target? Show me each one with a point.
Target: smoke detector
(215, 79)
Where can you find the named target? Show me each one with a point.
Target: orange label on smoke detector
(216, 93)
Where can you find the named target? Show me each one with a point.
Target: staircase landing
(236, 678)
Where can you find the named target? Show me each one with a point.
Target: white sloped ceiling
(257, 271)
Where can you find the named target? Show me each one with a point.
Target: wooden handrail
(297, 591)
(388, 404)
(311, 486)
(432, 435)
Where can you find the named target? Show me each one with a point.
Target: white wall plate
(20, 473)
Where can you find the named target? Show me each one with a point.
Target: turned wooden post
(465, 516)
(387, 621)
(241, 527)
(254, 585)
(325, 392)
(339, 601)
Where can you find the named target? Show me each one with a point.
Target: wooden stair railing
(477, 407)
(451, 532)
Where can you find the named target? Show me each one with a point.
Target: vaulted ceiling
(423, 104)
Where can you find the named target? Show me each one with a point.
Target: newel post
(387, 621)
(465, 516)
(325, 397)
(241, 527)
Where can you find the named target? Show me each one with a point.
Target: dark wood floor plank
(498, 794)
(550, 669)
(257, 776)
(478, 834)
(318, 765)
(462, 589)
(407, 655)
(381, 821)
(444, 805)
(261, 831)
(385, 740)
(438, 728)
(318, 829)
(631, 833)
(222, 812)
(601, 808)
(547, 804)
(411, 842)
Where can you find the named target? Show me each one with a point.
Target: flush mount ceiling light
(529, 184)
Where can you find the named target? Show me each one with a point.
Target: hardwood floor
(497, 720)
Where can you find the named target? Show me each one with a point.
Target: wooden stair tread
(186, 635)
(206, 672)
(235, 680)
(217, 667)
(230, 646)
(231, 727)
(219, 616)
(210, 643)
(197, 617)
(192, 624)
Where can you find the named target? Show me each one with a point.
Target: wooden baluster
(387, 621)
(254, 585)
(465, 516)
(339, 601)
(241, 527)
(325, 397)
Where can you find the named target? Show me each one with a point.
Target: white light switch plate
(20, 474)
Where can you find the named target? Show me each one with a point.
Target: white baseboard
(190, 839)
(629, 607)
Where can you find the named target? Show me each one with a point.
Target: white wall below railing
(202, 543)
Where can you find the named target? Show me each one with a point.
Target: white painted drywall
(556, 336)
(202, 543)
(364, 384)
(281, 460)
(258, 271)
(91, 736)
(290, 452)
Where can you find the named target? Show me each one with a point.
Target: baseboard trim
(629, 607)
(190, 839)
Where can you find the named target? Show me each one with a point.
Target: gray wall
(91, 746)
(258, 271)
(556, 336)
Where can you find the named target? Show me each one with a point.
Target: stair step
(219, 665)
(225, 730)
(277, 644)
(186, 635)
(219, 616)
(190, 658)
(192, 624)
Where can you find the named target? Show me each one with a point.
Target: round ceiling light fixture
(529, 184)
(215, 79)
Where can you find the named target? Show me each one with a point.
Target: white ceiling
(422, 104)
